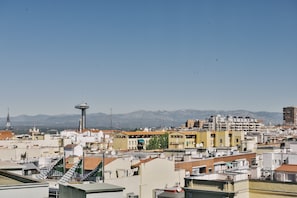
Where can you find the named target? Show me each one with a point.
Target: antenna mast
(110, 118)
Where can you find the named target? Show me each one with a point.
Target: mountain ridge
(135, 119)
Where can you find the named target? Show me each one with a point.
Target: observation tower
(83, 107)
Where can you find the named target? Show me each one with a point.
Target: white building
(73, 150)
(151, 174)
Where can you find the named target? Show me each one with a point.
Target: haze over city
(151, 55)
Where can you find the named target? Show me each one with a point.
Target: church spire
(8, 124)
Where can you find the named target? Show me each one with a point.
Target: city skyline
(157, 55)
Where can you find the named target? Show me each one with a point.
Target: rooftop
(292, 168)
(5, 165)
(221, 177)
(131, 133)
(91, 163)
(97, 187)
(6, 134)
(10, 179)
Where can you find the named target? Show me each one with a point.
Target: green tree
(164, 141)
(158, 142)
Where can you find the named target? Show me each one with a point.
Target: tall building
(290, 116)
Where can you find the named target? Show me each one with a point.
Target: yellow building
(271, 189)
(204, 139)
(181, 140)
(134, 140)
(217, 186)
(236, 138)
(221, 139)
(236, 185)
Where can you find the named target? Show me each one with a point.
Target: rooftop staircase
(69, 174)
(94, 173)
(45, 173)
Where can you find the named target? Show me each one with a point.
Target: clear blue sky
(147, 55)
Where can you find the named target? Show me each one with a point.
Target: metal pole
(103, 156)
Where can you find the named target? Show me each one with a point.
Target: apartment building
(228, 123)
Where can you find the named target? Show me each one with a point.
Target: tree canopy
(158, 142)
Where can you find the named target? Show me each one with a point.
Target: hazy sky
(147, 55)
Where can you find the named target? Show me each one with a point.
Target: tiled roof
(91, 163)
(143, 161)
(143, 133)
(6, 135)
(287, 168)
(189, 132)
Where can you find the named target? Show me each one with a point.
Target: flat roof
(10, 165)
(97, 187)
(8, 181)
(11, 179)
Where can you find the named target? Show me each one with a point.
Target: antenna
(111, 119)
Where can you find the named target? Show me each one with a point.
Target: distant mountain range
(137, 119)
